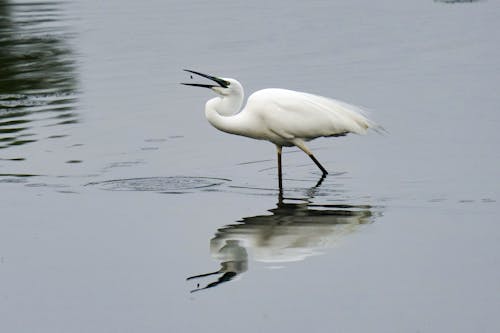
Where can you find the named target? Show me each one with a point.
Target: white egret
(284, 117)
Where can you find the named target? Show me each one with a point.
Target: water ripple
(177, 184)
(38, 83)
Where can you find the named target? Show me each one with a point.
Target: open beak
(221, 83)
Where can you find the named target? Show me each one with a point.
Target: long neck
(221, 113)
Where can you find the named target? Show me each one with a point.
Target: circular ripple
(159, 184)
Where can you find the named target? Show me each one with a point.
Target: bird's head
(224, 86)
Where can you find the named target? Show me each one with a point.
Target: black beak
(222, 83)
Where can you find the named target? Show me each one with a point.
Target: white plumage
(283, 117)
(295, 114)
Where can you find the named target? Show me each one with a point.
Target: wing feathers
(307, 116)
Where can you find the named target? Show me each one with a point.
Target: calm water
(123, 210)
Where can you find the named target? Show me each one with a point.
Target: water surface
(116, 194)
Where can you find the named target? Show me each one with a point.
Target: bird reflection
(233, 260)
(295, 230)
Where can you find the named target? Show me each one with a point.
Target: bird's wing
(295, 114)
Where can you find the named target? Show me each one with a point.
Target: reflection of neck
(234, 261)
(229, 270)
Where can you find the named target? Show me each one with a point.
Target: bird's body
(283, 117)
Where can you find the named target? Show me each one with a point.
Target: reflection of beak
(227, 276)
(203, 275)
(222, 83)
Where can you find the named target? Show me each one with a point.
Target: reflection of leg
(320, 181)
(280, 174)
(303, 147)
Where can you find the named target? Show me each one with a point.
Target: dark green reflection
(38, 85)
(292, 232)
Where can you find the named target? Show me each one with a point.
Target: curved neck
(227, 105)
(221, 113)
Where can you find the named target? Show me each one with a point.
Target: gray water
(115, 192)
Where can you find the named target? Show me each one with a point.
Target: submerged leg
(320, 181)
(302, 146)
(280, 179)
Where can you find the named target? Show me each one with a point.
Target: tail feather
(360, 114)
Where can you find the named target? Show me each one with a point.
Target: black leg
(280, 174)
(302, 146)
(318, 164)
